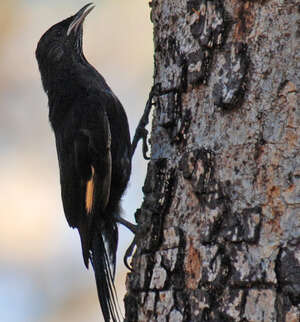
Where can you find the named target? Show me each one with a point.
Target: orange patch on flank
(89, 193)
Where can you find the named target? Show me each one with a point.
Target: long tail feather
(104, 280)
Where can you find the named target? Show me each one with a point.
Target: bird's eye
(58, 33)
(55, 53)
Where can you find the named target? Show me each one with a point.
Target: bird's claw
(128, 254)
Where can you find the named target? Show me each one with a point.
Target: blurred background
(42, 276)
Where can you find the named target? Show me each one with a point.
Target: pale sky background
(42, 276)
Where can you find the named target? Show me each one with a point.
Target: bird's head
(63, 41)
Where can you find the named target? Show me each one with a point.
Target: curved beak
(79, 18)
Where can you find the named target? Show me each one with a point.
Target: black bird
(93, 148)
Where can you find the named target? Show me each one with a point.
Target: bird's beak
(79, 17)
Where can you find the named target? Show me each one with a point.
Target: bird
(93, 147)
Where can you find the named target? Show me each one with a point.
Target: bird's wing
(70, 181)
(83, 148)
(93, 161)
(92, 148)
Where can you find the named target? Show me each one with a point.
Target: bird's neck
(61, 89)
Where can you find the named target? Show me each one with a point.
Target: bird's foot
(128, 253)
(141, 131)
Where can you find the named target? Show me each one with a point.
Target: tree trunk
(219, 228)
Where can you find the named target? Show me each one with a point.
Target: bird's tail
(104, 279)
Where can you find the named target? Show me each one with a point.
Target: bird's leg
(126, 223)
(133, 229)
(141, 131)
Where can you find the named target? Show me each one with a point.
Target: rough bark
(219, 228)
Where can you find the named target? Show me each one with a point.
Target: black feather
(104, 280)
(93, 148)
